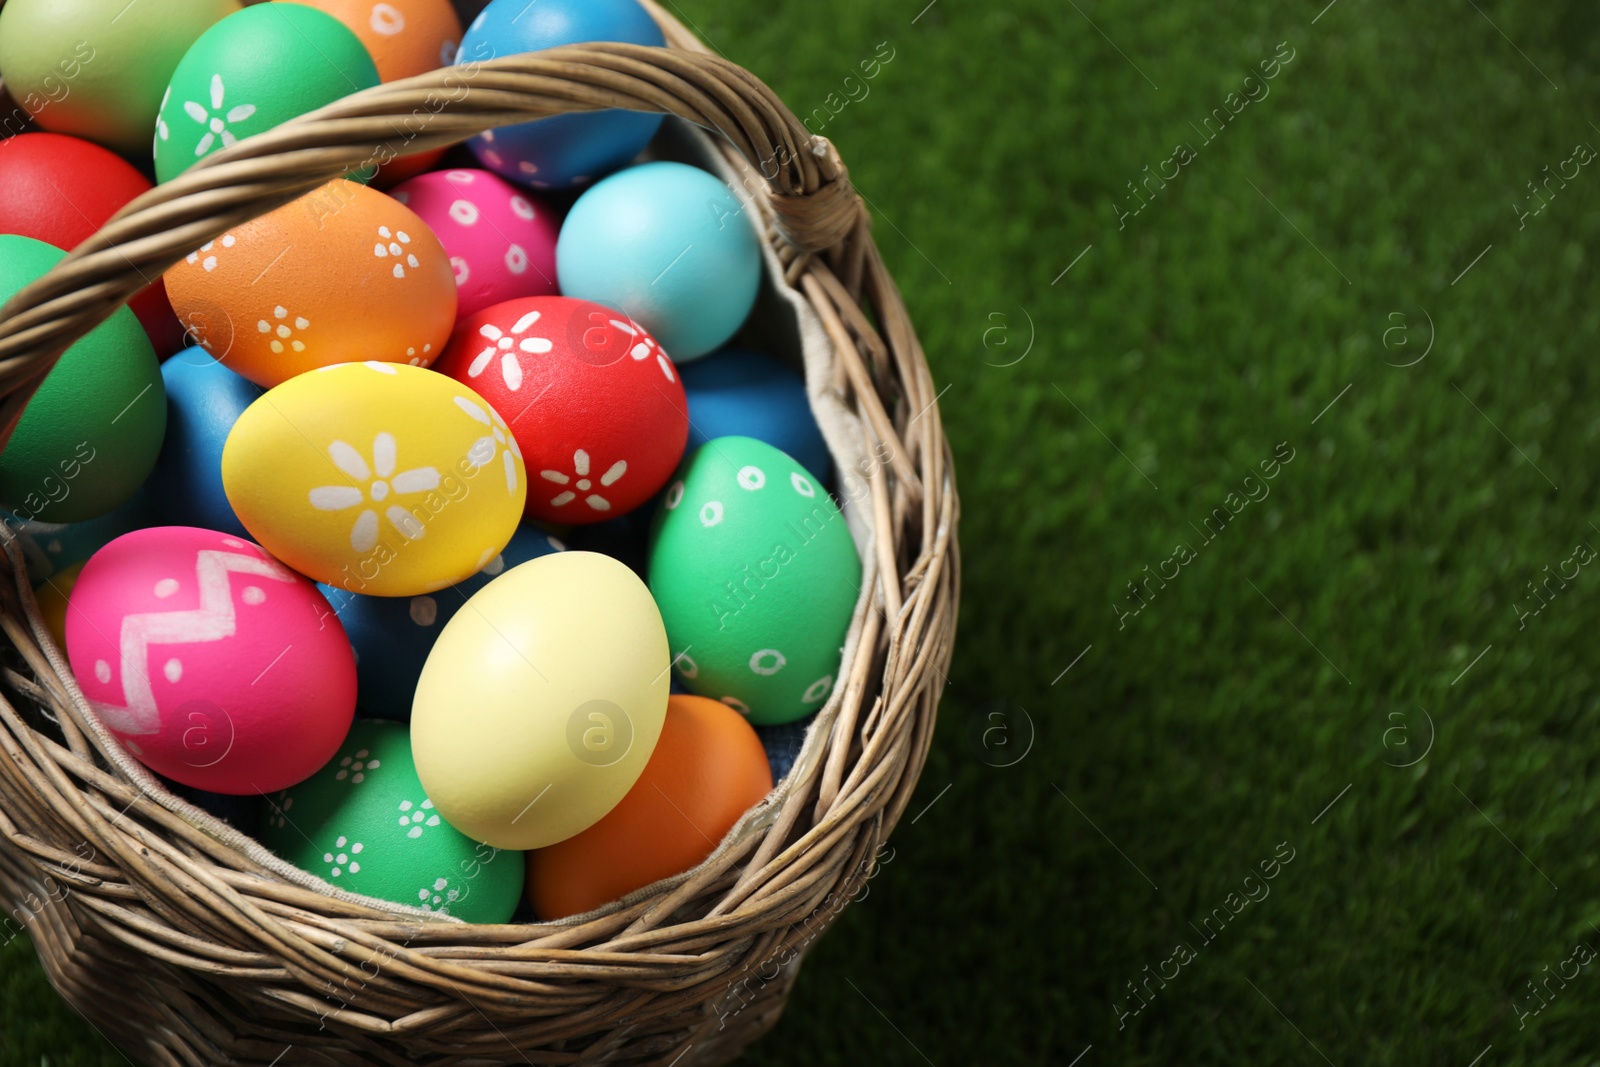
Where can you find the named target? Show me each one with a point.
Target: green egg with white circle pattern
(364, 824)
(252, 71)
(757, 577)
(96, 69)
(91, 434)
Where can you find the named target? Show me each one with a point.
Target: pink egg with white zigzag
(214, 664)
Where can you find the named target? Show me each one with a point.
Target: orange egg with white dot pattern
(342, 275)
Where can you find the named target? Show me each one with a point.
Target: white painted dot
(521, 208)
(767, 662)
(173, 669)
(517, 259)
(166, 587)
(686, 666)
(253, 594)
(711, 514)
(233, 542)
(102, 670)
(818, 689)
(802, 484)
(424, 610)
(495, 566)
(674, 496)
(465, 212)
(752, 478)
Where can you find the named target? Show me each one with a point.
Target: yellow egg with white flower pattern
(378, 478)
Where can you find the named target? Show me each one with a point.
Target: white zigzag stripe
(213, 620)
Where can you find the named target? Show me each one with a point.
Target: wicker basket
(185, 944)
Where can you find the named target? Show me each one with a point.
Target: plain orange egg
(345, 274)
(404, 37)
(707, 770)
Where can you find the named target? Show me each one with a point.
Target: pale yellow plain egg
(542, 701)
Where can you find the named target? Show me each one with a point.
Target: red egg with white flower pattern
(595, 404)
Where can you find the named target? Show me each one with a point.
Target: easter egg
(707, 770)
(342, 275)
(53, 595)
(97, 68)
(670, 245)
(365, 824)
(501, 241)
(595, 405)
(542, 700)
(757, 578)
(376, 478)
(404, 37)
(783, 744)
(738, 393)
(91, 433)
(393, 635)
(60, 190)
(204, 400)
(52, 547)
(253, 70)
(563, 150)
(213, 664)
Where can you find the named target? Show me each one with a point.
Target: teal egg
(251, 71)
(91, 434)
(365, 824)
(757, 577)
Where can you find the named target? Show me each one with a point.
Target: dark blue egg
(783, 744)
(392, 636)
(204, 400)
(739, 393)
(563, 150)
(54, 546)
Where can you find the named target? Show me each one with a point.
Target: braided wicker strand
(165, 933)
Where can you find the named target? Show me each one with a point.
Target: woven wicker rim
(225, 960)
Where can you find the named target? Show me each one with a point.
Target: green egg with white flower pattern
(251, 71)
(757, 577)
(364, 824)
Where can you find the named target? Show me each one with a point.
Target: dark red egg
(60, 190)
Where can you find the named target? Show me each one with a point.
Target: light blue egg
(563, 150)
(739, 393)
(670, 245)
(392, 636)
(50, 547)
(204, 400)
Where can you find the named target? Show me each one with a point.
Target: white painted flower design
(216, 120)
(414, 818)
(506, 346)
(583, 484)
(283, 331)
(380, 480)
(441, 896)
(644, 346)
(485, 448)
(355, 767)
(393, 243)
(342, 859)
(210, 261)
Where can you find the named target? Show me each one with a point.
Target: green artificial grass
(1362, 612)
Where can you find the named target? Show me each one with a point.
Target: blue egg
(563, 150)
(50, 547)
(204, 400)
(739, 393)
(783, 745)
(392, 636)
(670, 245)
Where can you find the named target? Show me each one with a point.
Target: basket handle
(814, 206)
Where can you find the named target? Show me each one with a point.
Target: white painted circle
(818, 690)
(711, 514)
(802, 484)
(464, 212)
(687, 667)
(737, 705)
(767, 662)
(674, 496)
(752, 478)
